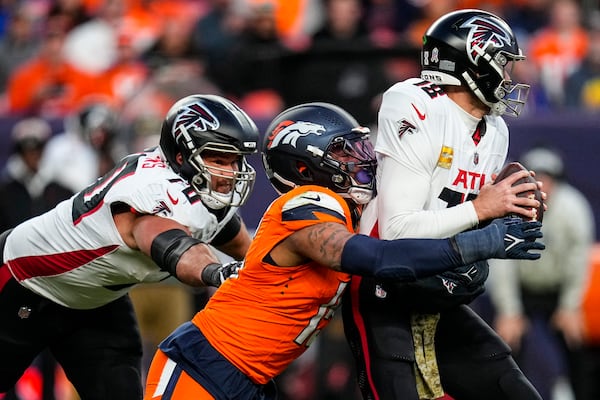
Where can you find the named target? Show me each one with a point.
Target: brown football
(510, 169)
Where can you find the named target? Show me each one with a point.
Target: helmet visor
(353, 157)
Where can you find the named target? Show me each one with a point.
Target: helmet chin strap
(187, 170)
(212, 201)
(359, 195)
(497, 108)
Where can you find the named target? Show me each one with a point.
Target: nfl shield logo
(379, 292)
(24, 312)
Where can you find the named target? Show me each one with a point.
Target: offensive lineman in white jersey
(441, 140)
(65, 275)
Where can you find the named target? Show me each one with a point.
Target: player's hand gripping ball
(514, 167)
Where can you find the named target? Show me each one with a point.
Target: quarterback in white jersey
(429, 161)
(65, 274)
(440, 141)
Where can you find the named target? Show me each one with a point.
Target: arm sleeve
(400, 205)
(404, 259)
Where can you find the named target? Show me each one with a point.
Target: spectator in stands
(558, 48)
(175, 69)
(126, 77)
(386, 19)
(85, 150)
(71, 13)
(25, 194)
(18, 44)
(25, 190)
(538, 304)
(344, 22)
(91, 47)
(173, 45)
(582, 88)
(256, 70)
(47, 84)
(215, 34)
(342, 64)
(430, 11)
(527, 16)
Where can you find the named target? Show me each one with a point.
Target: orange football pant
(160, 383)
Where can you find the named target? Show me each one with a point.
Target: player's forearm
(192, 263)
(429, 223)
(410, 259)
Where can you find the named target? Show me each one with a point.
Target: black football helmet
(320, 144)
(96, 122)
(477, 49)
(199, 123)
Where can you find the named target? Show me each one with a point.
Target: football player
(65, 275)
(300, 262)
(441, 139)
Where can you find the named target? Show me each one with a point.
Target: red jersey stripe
(55, 264)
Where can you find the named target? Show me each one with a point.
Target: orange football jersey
(269, 315)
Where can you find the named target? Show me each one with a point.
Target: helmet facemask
(493, 86)
(353, 160)
(242, 180)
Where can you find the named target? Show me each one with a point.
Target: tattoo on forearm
(329, 240)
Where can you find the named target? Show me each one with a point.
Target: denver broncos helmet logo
(482, 34)
(288, 132)
(195, 118)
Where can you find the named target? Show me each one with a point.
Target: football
(514, 167)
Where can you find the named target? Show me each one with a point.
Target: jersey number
(311, 331)
(454, 198)
(431, 89)
(92, 197)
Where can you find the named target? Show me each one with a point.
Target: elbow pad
(401, 259)
(168, 247)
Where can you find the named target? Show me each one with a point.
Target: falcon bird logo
(404, 126)
(195, 118)
(482, 34)
(288, 132)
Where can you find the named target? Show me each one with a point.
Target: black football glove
(519, 238)
(508, 237)
(215, 274)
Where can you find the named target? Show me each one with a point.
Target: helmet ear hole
(303, 170)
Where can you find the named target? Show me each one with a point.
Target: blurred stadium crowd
(73, 66)
(140, 55)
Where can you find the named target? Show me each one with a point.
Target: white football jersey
(74, 255)
(429, 164)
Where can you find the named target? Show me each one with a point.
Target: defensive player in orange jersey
(301, 261)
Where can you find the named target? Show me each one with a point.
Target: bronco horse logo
(288, 132)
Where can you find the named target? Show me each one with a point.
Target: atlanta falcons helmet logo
(288, 132)
(482, 34)
(195, 118)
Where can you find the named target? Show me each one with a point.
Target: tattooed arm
(322, 243)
